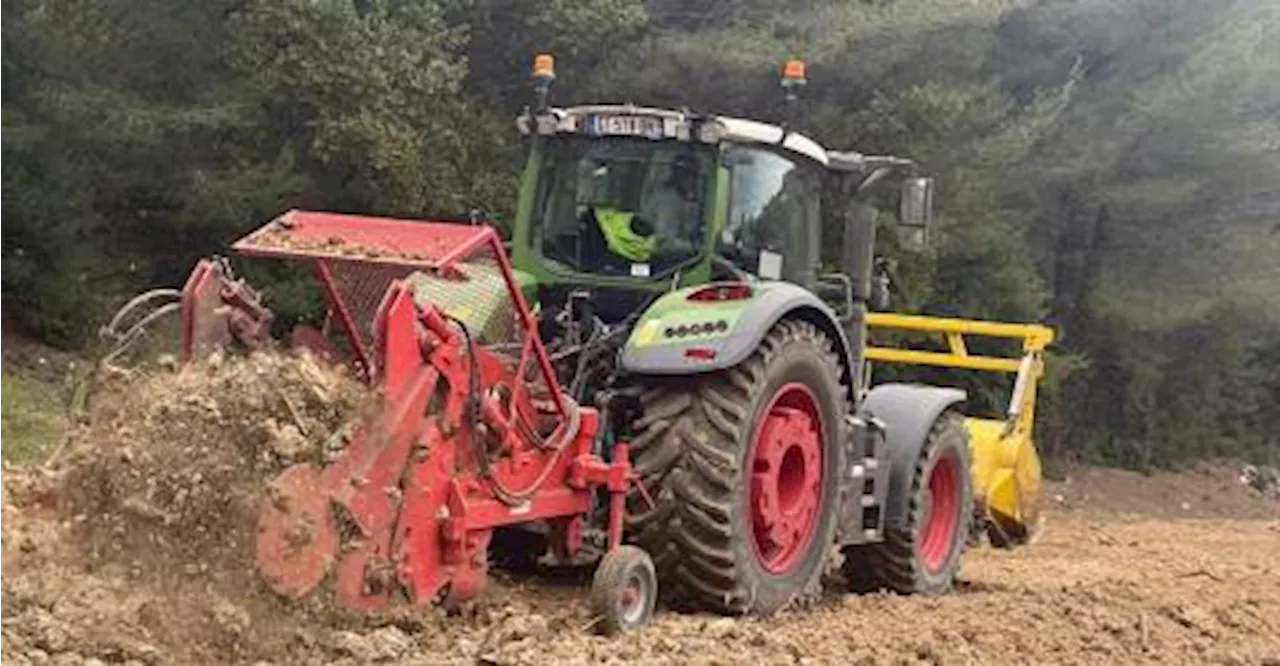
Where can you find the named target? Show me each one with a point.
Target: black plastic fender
(908, 412)
(780, 299)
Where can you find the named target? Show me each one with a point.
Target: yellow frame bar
(917, 357)
(1029, 367)
(1035, 338)
(1004, 464)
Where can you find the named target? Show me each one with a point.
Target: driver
(625, 234)
(662, 220)
(671, 207)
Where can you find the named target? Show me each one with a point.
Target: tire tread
(688, 459)
(892, 564)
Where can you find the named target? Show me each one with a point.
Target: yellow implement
(1006, 466)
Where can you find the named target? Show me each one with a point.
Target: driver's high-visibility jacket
(621, 238)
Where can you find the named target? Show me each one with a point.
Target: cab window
(773, 223)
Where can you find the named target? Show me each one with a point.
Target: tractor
(651, 374)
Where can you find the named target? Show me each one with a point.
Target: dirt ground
(132, 549)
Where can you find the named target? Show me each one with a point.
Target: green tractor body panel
(678, 336)
(528, 285)
(674, 319)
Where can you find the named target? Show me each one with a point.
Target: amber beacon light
(793, 73)
(544, 67)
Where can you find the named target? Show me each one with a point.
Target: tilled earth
(126, 552)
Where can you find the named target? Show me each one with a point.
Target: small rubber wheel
(624, 590)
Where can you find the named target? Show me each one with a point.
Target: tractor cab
(650, 195)
(632, 201)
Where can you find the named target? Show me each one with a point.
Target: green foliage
(506, 34)
(1107, 167)
(366, 96)
(32, 418)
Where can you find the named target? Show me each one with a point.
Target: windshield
(621, 206)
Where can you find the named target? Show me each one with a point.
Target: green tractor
(680, 254)
(654, 363)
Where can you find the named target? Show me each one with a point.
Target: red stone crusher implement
(471, 434)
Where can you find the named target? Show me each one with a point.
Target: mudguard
(677, 336)
(908, 412)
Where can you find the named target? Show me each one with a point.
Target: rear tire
(744, 468)
(923, 556)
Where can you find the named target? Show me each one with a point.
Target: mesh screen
(479, 297)
(361, 287)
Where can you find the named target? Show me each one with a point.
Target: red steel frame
(422, 493)
(348, 321)
(435, 247)
(217, 308)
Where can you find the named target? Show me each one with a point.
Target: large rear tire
(923, 555)
(744, 468)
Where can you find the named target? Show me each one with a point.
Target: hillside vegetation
(1110, 168)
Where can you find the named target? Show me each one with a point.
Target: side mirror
(916, 213)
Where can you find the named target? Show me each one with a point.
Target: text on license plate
(627, 125)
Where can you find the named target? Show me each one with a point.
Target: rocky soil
(135, 547)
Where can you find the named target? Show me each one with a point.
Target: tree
(1107, 167)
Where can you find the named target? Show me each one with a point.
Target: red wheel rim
(786, 477)
(942, 513)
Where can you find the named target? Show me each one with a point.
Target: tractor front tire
(743, 466)
(922, 556)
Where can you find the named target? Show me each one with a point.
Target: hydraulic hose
(506, 495)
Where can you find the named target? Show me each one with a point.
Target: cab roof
(739, 130)
(687, 125)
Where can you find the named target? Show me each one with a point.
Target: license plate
(626, 126)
